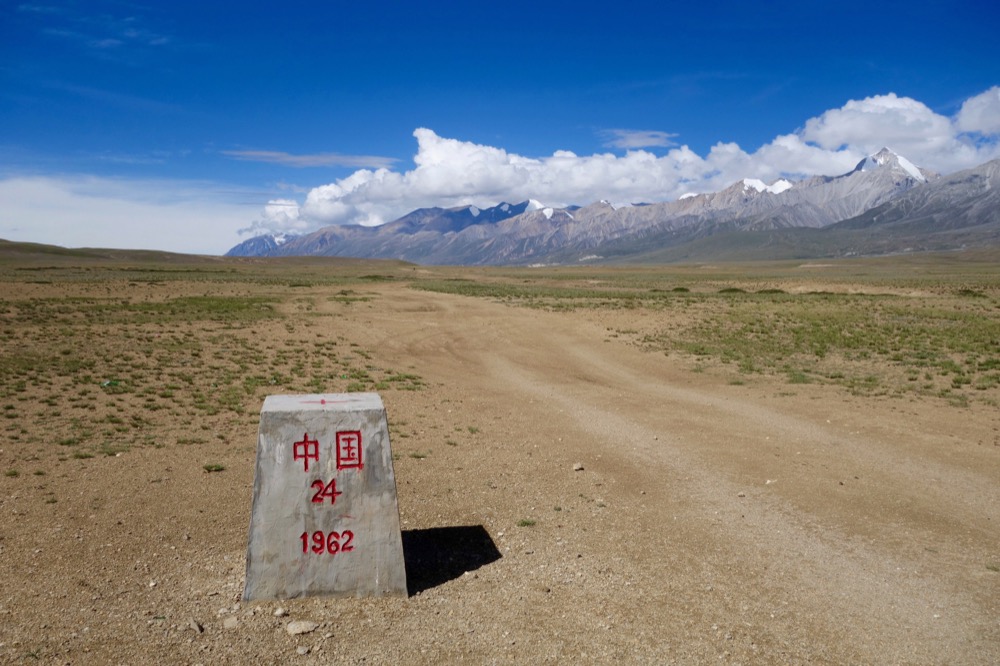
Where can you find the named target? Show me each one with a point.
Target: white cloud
(110, 213)
(903, 124)
(981, 113)
(450, 172)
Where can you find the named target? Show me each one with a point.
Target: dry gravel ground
(710, 522)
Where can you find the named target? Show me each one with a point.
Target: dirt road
(710, 523)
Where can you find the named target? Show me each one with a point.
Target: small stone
(195, 625)
(299, 627)
(302, 650)
(578, 467)
(280, 612)
(230, 622)
(741, 494)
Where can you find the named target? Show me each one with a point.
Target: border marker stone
(325, 518)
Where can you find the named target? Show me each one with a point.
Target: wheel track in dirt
(848, 567)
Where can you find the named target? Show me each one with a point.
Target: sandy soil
(711, 522)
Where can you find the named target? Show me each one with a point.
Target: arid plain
(741, 464)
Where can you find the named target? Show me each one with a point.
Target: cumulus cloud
(451, 172)
(981, 113)
(910, 128)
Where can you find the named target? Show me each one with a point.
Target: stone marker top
(329, 402)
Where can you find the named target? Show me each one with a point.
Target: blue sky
(173, 125)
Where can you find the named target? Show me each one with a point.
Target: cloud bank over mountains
(450, 172)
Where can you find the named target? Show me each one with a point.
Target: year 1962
(327, 542)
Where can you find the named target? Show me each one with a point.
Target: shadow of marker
(436, 555)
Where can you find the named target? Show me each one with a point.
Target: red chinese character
(305, 450)
(349, 449)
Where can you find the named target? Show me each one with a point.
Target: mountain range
(885, 204)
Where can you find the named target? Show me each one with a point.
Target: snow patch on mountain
(534, 204)
(910, 168)
(475, 211)
(547, 212)
(777, 187)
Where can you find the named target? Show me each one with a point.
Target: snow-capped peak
(887, 157)
(534, 204)
(687, 195)
(777, 187)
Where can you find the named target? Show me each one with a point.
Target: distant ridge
(259, 246)
(884, 190)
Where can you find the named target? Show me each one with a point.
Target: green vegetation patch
(558, 296)
(869, 343)
(109, 368)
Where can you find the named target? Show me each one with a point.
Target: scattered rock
(741, 494)
(299, 627)
(230, 622)
(280, 612)
(302, 650)
(195, 625)
(577, 467)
